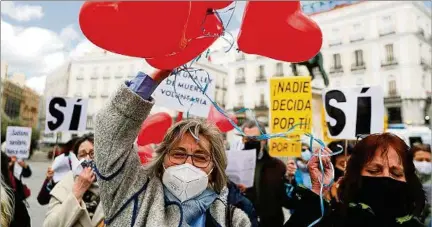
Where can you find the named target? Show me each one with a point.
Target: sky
(39, 36)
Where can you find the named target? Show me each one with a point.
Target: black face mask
(387, 197)
(253, 144)
(338, 173)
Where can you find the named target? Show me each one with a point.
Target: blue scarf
(193, 208)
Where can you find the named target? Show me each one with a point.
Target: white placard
(61, 165)
(66, 114)
(187, 92)
(17, 170)
(241, 166)
(354, 111)
(18, 141)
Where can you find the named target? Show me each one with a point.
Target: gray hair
(218, 179)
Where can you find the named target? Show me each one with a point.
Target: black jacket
(236, 198)
(273, 194)
(307, 210)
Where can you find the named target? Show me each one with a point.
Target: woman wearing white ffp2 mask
(184, 185)
(423, 165)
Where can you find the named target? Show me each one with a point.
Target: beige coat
(64, 209)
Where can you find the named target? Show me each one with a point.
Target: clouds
(21, 12)
(37, 84)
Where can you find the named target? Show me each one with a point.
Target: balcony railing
(335, 42)
(389, 62)
(78, 95)
(106, 76)
(92, 95)
(261, 79)
(356, 38)
(94, 76)
(119, 76)
(241, 80)
(261, 107)
(357, 67)
(238, 107)
(388, 30)
(80, 77)
(104, 95)
(336, 69)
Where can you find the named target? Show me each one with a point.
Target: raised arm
(119, 170)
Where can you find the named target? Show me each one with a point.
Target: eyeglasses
(83, 154)
(179, 157)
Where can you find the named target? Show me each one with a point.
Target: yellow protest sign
(325, 129)
(385, 123)
(290, 105)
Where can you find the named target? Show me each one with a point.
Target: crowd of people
(377, 181)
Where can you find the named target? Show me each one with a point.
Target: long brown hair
(363, 153)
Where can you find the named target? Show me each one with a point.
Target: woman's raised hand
(315, 171)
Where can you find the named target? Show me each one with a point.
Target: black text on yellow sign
(290, 106)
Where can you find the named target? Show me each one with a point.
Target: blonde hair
(195, 127)
(7, 204)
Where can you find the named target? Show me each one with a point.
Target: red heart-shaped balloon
(201, 32)
(279, 30)
(220, 120)
(145, 153)
(154, 129)
(138, 29)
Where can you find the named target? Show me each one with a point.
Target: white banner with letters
(18, 141)
(66, 114)
(187, 95)
(350, 112)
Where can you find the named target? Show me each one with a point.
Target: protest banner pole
(346, 149)
(55, 146)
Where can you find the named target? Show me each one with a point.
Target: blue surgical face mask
(306, 155)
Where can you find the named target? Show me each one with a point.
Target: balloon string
(321, 181)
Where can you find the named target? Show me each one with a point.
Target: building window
(279, 69)
(240, 79)
(262, 99)
(261, 71)
(240, 73)
(337, 61)
(394, 115)
(392, 89)
(358, 54)
(240, 101)
(389, 52)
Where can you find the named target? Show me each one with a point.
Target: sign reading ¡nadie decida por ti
(290, 105)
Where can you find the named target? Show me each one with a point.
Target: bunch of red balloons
(171, 34)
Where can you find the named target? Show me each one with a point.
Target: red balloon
(138, 29)
(286, 33)
(154, 129)
(220, 120)
(145, 153)
(202, 31)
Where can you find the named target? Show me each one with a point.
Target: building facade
(382, 43)
(12, 99)
(29, 111)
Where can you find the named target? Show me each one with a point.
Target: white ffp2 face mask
(185, 181)
(423, 167)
